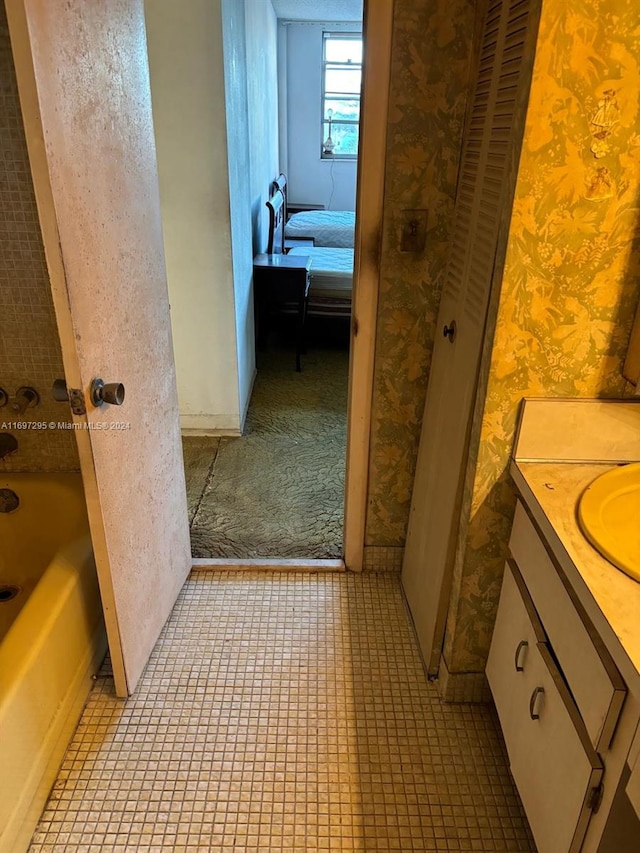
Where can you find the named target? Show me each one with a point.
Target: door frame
(377, 33)
(377, 28)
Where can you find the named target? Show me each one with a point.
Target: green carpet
(278, 491)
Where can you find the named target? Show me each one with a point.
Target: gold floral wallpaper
(570, 287)
(431, 55)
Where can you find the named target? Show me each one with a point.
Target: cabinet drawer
(594, 681)
(516, 634)
(553, 763)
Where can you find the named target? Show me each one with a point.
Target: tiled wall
(431, 52)
(570, 286)
(29, 345)
(382, 559)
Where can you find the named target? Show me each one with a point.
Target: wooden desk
(278, 280)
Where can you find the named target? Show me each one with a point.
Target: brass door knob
(110, 392)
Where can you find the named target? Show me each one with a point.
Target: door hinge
(595, 798)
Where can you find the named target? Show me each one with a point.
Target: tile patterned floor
(284, 712)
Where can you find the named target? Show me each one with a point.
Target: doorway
(204, 474)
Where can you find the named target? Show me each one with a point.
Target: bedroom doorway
(278, 490)
(296, 427)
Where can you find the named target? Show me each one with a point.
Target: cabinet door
(515, 637)
(586, 665)
(555, 768)
(553, 763)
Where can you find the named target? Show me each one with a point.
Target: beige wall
(187, 87)
(251, 97)
(262, 104)
(214, 87)
(29, 343)
(570, 286)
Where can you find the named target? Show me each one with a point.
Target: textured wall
(188, 92)
(570, 287)
(429, 77)
(238, 70)
(262, 104)
(29, 344)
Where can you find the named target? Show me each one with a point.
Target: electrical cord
(333, 183)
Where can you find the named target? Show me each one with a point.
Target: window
(342, 75)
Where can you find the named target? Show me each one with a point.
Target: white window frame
(326, 64)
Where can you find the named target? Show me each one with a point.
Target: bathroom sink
(609, 515)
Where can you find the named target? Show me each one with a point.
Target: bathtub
(52, 640)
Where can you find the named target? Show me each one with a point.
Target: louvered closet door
(483, 196)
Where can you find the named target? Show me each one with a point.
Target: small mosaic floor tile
(284, 712)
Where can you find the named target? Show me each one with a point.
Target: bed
(331, 276)
(327, 228)
(331, 280)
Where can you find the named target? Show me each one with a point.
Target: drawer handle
(523, 644)
(539, 691)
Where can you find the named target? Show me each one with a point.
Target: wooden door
(485, 187)
(84, 90)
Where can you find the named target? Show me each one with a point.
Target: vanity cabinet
(633, 784)
(564, 665)
(588, 668)
(557, 691)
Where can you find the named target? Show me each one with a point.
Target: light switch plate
(413, 236)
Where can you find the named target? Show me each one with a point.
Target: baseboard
(207, 564)
(210, 424)
(248, 401)
(213, 433)
(462, 687)
(217, 425)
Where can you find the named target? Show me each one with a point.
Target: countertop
(556, 488)
(562, 446)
